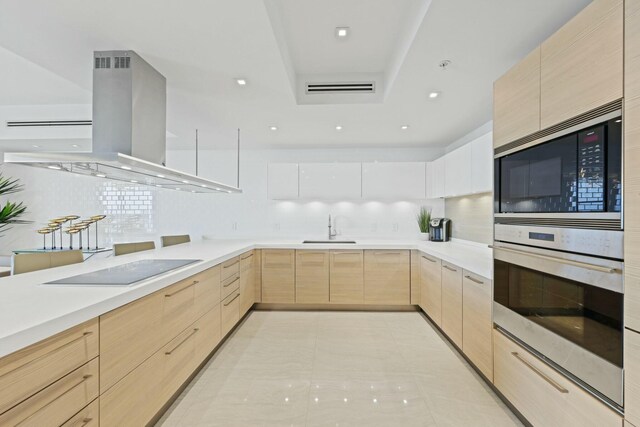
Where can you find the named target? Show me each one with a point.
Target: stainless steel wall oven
(558, 251)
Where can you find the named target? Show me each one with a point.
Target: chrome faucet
(332, 233)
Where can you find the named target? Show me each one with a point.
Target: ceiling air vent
(358, 87)
(47, 123)
(103, 62)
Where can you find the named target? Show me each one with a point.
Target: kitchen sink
(351, 242)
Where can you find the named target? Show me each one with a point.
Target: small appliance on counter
(440, 229)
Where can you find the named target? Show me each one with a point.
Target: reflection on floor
(337, 368)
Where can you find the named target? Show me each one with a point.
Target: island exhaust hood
(129, 130)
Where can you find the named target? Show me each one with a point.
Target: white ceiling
(201, 46)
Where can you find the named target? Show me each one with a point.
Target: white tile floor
(337, 369)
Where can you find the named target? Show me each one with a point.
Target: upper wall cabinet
(330, 181)
(282, 179)
(482, 164)
(582, 63)
(393, 180)
(435, 178)
(457, 173)
(516, 101)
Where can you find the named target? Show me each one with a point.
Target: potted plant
(11, 211)
(424, 217)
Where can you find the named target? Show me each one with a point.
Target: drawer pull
(429, 259)
(42, 356)
(248, 256)
(346, 253)
(195, 330)
(195, 282)
(388, 253)
(86, 421)
(233, 299)
(231, 282)
(450, 268)
(69, 390)
(473, 279)
(539, 372)
(231, 265)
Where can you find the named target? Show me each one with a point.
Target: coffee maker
(440, 229)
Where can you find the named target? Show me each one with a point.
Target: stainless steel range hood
(129, 130)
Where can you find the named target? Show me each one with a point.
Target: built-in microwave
(575, 171)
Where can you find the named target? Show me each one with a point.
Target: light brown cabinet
(89, 416)
(431, 287)
(582, 63)
(230, 311)
(452, 302)
(516, 101)
(178, 308)
(542, 395)
(477, 323)
(28, 371)
(58, 402)
(247, 282)
(632, 376)
(416, 283)
(312, 276)
(278, 276)
(207, 292)
(346, 269)
(387, 277)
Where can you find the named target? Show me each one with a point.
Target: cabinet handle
(237, 295)
(429, 259)
(69, 390)
(473, 279)
(231, 282)
(86, 421)
(195, 282)
(42, 356)
(388, 253)
(345, 253)
(539, 372)
(248, 256)
(449, 268)
(195, 330)
(231, 265)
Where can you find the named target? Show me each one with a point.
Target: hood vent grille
(336, 87)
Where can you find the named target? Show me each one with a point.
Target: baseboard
(331, 307)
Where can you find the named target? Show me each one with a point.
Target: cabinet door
(230, 312)
(393, 180)
(387, 277)
(247, 282)
(542, 395)
(207, 290)
(282, 181)
(178, 308)
(452, 302)
(477, 324)
(482, 164)
(632, 376)
(312, 276)
(431, 290)
(416, 283)
(258, 274)
(278, 276)
(330, 181)
(516, 101)
(346, 282)
(437, 178)
(210, 333)
(457, 180)
(582, 63)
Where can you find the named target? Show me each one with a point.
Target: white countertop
(30, 311)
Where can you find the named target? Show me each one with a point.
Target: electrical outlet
(234, 226)
(395, 227)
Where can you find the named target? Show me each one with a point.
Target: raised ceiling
(202, 46)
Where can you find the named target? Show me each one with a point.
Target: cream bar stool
(24, 263)
(129, 248)
(174, 240)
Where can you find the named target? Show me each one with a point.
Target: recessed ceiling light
(338, 127)
(185, 181)
(127, 168)
(342, 32)
(433, 95)
(241, 82)
(134, 181)
(404, 127)
(36, 146)
(273, 127)
(75, 145)
(160, 176)
(57, 168)
(101, 175)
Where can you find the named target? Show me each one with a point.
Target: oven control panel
(603, 243)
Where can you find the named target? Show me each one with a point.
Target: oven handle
(580, 264)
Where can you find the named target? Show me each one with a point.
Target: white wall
(139, 212)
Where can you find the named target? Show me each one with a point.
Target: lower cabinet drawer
(230, 284)
(210, 333)
(28, 371)
(179, 360)
(230, 311)
(477, 323)
(178, 307)
(57, 403)
(541, 394)
(207, 290)
(87, 417)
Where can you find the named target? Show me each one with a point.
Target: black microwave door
(541, 179)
